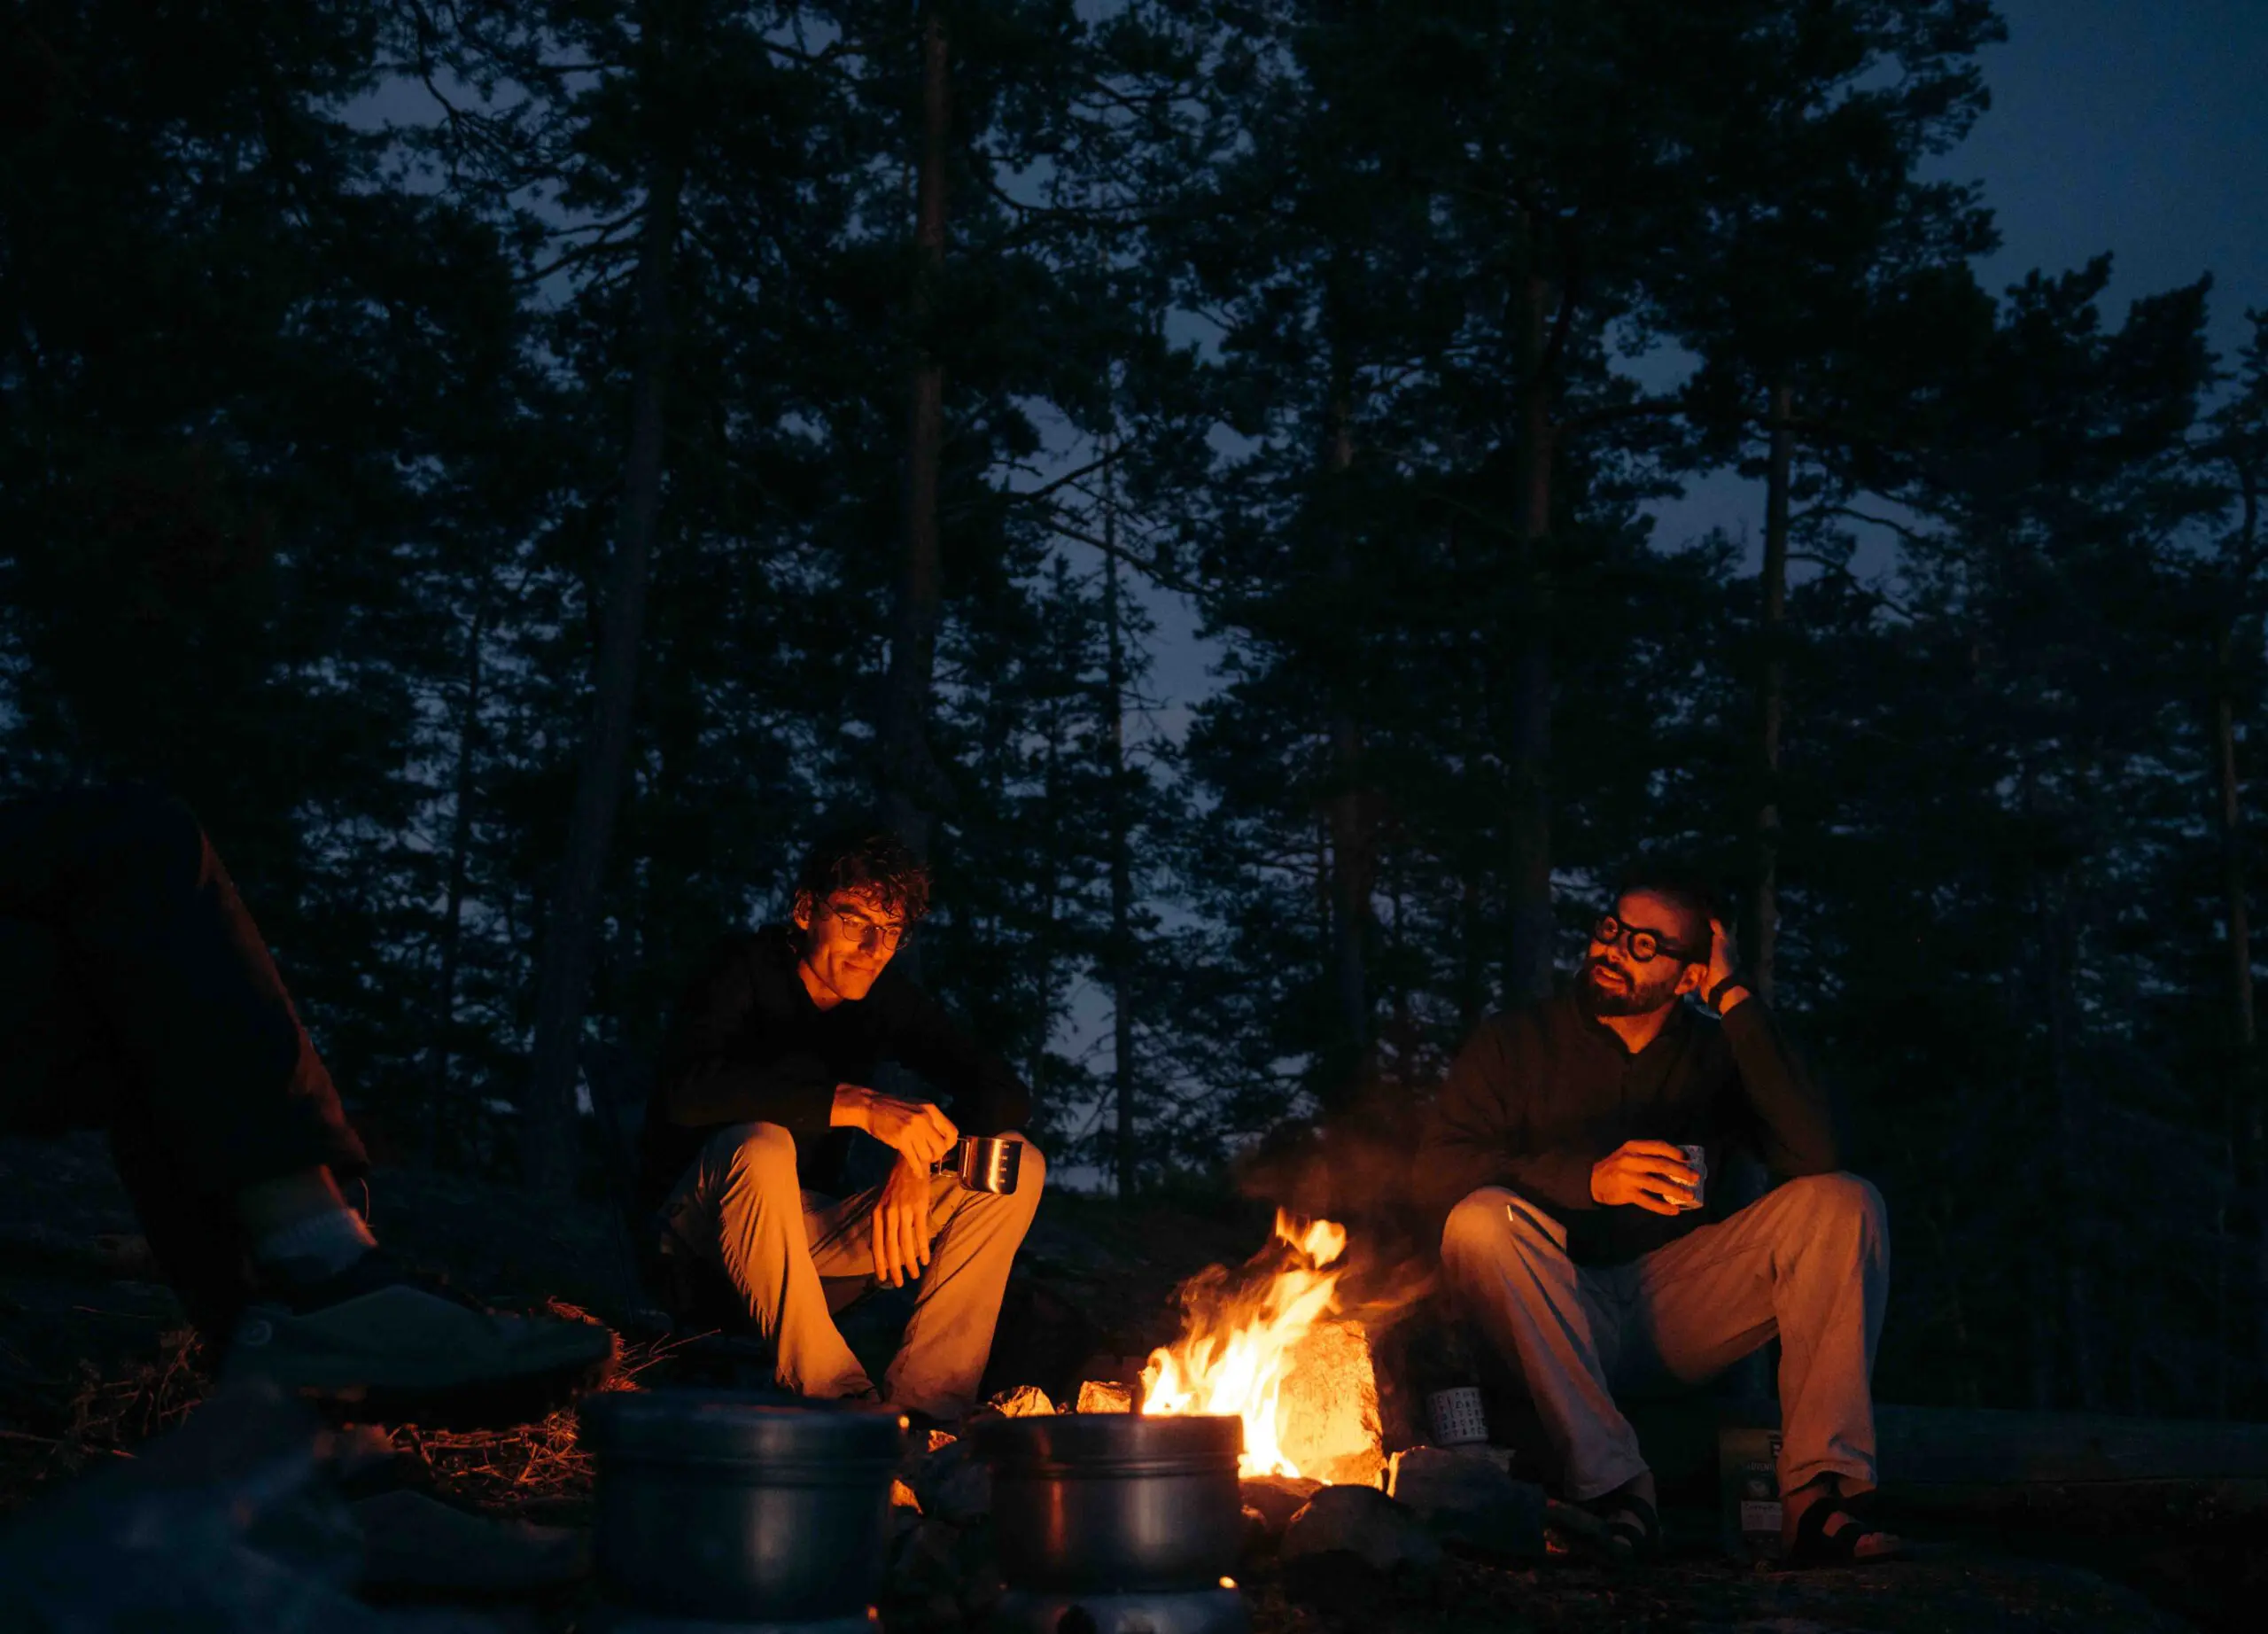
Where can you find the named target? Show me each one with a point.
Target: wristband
(1736, 979)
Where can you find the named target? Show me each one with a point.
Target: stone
(1276, 1498)
(1327, 1411)
(1363, 1522)
(1101, 1395)
(954, 1486)
(922, 1562)
(1026, 1400)
(1258, 1539)
(414, 1542)
(233, 1523)
(1468, 1496)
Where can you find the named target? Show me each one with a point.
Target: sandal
(1819, 1542)
(1633, 1526)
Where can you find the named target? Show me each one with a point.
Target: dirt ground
(95, 1357)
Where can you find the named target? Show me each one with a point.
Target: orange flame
(1234, 1358)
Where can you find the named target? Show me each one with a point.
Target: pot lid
(758, 1427)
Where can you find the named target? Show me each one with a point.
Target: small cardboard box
(1748, 1479)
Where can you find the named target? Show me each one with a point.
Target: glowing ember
(1241, 1344)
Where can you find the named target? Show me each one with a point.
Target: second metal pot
(1115, 1501)
(730, 1506)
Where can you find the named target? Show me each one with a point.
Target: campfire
(1261, 1346)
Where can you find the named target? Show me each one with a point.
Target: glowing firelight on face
(1235, 1355)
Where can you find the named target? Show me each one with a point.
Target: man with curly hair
(769, 1073)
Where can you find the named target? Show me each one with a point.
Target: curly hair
(866, 859)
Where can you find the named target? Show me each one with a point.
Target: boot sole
(493, 1402)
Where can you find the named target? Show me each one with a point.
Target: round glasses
(859, 929)
(1643, 946)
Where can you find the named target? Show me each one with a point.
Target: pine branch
(1866, 591)
(1912, 535)
(1151, 571)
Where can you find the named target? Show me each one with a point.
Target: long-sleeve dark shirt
(747, 1045)
(1539, 1094)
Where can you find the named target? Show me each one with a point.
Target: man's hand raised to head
(1653, 1174)
(917, 1130)
(1724, 964)
(901, 1224)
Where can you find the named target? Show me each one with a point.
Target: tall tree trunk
(2248, 1084)
(1772, 690)
(1347, 810)
(1122, 861)
(1050, 881)
(445, 996)
(550, 1149)
(1529, 965)
(2075, 1143)
(1744, 1178)
(910, 782)
(2243, 1021)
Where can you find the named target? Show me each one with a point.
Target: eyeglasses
(859, 929)
(1643, 946)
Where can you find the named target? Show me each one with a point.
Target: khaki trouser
(740, 1205)
(1809, 1261)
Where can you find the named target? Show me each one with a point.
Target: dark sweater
(1539, 1094)
(747, 1045)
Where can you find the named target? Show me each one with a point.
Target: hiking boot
(401, 1346)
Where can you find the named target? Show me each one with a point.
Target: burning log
(1260, 1346)
(1105, 1395)
(1327, 1412)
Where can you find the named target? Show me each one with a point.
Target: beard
(1640, 997)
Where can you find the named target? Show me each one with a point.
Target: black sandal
(1816, 1545)
(1633, 1526)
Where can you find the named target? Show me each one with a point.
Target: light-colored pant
(740, 1205)
(1808, 1261)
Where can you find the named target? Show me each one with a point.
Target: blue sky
(2138, 128)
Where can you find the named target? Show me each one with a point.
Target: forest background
(519, 470)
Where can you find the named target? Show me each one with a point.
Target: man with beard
(1578, 1245)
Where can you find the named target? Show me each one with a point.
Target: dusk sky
(2138, 128)
(2134, 127)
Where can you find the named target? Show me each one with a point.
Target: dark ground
(95, 1357)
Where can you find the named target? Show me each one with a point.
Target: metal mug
(1697, 1158)
(1457, 1417)
(983, 1163)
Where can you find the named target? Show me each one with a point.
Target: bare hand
(1724, 964)
(901, 1224)
(1653, 1174)
(917, 1130)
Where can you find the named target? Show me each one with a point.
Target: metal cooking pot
(731, 1506)
(1114, 1501)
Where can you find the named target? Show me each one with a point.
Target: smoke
(1354, 1166)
